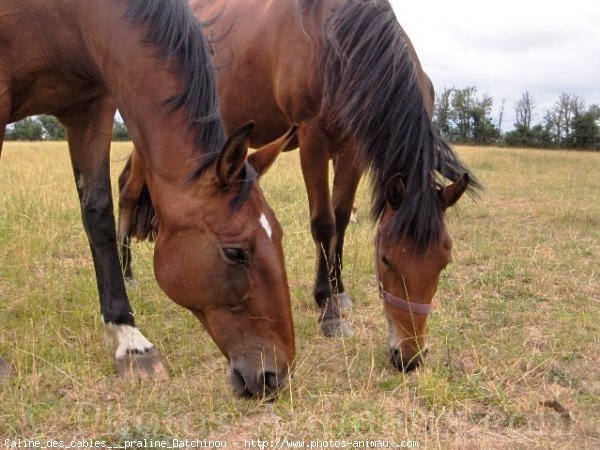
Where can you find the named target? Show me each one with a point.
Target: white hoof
(336, 328)
(344, 301)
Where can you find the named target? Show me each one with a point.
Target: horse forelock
(372, 94)
(177, 33)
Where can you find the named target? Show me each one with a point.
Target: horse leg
(314, 158)
(345, 183)
(131, 183)
(89, 132)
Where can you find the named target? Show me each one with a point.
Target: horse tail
(144, 225)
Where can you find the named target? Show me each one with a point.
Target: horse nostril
(271, 382)
(404, 364)
(239, 383)
(264, 385)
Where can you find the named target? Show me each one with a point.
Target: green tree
(442, 110)
(119, 131)
(465, 117)
(484, 130)
(28, 129)
(559, 120)
(523, 135)
(586, 131)
(537, 136)
(54, 130)
(462, 105)
(540, 137)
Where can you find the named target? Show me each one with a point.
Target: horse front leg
(314, 158)
(89, 131)
(346, 177)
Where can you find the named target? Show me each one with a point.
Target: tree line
(465, 117)
(48, 128)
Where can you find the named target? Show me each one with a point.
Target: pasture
(514, 336)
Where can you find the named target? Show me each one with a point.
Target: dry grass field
(515, 334)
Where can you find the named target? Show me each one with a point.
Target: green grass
(516, 322)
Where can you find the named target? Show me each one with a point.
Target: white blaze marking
(126, 339)
(266, 225)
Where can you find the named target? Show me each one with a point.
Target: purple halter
(404, 305)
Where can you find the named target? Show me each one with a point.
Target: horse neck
(140, 86)
(140, 82)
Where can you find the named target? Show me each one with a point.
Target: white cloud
(508, 48)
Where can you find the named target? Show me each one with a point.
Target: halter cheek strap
(397, 302)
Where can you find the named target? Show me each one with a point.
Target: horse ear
(265, 156)
(394, 192)
(233, 157)
(453, 192)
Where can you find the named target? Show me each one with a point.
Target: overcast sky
(508, 47)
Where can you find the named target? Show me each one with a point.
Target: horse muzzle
(407, 361)
(263, 383)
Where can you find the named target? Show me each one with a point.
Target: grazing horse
(218, 252)
(346, 72)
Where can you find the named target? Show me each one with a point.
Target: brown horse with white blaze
(346, 72)
(219, 250)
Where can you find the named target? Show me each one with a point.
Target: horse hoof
(145, 366)
(5, 370)
(344, 301)
(336, 328)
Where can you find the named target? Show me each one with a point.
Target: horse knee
(322, 228)
(97, 212)
(342, 219)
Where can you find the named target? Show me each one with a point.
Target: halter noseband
(397, 302)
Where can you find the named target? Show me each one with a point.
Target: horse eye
(235, 255)
(385, 260)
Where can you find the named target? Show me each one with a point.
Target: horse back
(44, 67)
(266, 61)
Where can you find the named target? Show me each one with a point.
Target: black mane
(177, 33)
(173, 28)
(371, 93)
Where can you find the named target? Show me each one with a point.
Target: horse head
(408, 275)
(223, 260)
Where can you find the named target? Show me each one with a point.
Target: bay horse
(218, 252)
(347, 73)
